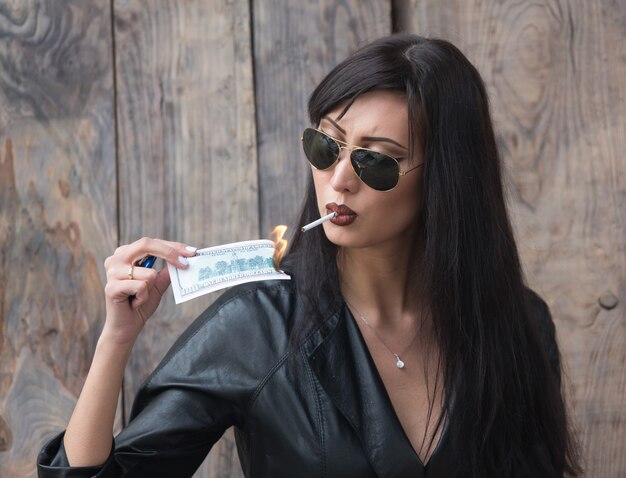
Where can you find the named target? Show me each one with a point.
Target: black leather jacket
(322, 413)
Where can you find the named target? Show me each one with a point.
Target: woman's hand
(133, 293)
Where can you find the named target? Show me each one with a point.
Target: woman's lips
(345, 216)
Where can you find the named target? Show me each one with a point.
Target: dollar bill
(218, 267)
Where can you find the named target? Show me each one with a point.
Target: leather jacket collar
(345, 369)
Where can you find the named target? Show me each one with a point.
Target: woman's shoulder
(248, 324)
(224, 357)
(265, 306)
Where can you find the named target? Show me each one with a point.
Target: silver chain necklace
(399, 362)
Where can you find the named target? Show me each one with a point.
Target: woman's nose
(343, 178)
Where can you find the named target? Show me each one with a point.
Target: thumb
(162, 281)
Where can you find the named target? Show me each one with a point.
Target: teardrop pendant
(399, 363)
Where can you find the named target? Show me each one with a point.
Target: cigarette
(321, 220)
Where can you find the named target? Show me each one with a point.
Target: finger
(142, 295)
(120, 291)
(175, 253)
(154, 286)
(162, 281)
(127, 272)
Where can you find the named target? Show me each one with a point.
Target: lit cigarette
(321, 220)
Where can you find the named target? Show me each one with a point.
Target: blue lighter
(147, 261)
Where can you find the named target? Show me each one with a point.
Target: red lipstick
(345, 216)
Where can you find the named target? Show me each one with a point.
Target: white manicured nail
(191, 249)
(183, 260)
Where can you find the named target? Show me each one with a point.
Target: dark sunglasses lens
(320, 150)
(377, 170)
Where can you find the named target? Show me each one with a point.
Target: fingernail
(191, 249)
(183, 260)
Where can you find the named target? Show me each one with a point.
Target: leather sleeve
(201, 388)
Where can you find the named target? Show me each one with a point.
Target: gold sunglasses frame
(351, 147)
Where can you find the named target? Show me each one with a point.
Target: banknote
(218, 267)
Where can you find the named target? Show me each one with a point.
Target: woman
(406, 343)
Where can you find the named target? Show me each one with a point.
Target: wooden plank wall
(58, 214)
(182, 119)
(186, 147)
(293, 51)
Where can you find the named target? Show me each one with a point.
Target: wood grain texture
(555, 73)
(57, 213)
(187, 149)
(293, 50)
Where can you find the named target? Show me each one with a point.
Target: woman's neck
(382, 281)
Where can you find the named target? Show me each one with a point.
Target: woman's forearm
(132, 294)
(88, 437)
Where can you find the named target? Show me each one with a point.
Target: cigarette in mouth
(321, 220)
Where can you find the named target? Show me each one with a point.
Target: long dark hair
(506, 415)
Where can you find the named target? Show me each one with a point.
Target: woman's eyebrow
(383, 139)
(364, 138)
(334, 123)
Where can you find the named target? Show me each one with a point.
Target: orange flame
(280, 244)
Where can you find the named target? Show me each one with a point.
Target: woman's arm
(132, 295)
(88, 437)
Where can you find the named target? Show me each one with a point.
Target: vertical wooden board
(295, 45)
(57, 213)
(187, 146)
(555, 73)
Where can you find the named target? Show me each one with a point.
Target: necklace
(399, 361)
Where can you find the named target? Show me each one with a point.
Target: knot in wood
(608, 301)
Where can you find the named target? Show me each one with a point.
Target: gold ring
(130, 272)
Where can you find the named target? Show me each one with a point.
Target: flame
(280, 244)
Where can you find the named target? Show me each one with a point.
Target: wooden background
(124, 118)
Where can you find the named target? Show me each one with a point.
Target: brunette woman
(406, 345)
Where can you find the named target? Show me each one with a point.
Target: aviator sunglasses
(377, 170)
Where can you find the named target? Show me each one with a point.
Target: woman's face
(377, 120)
